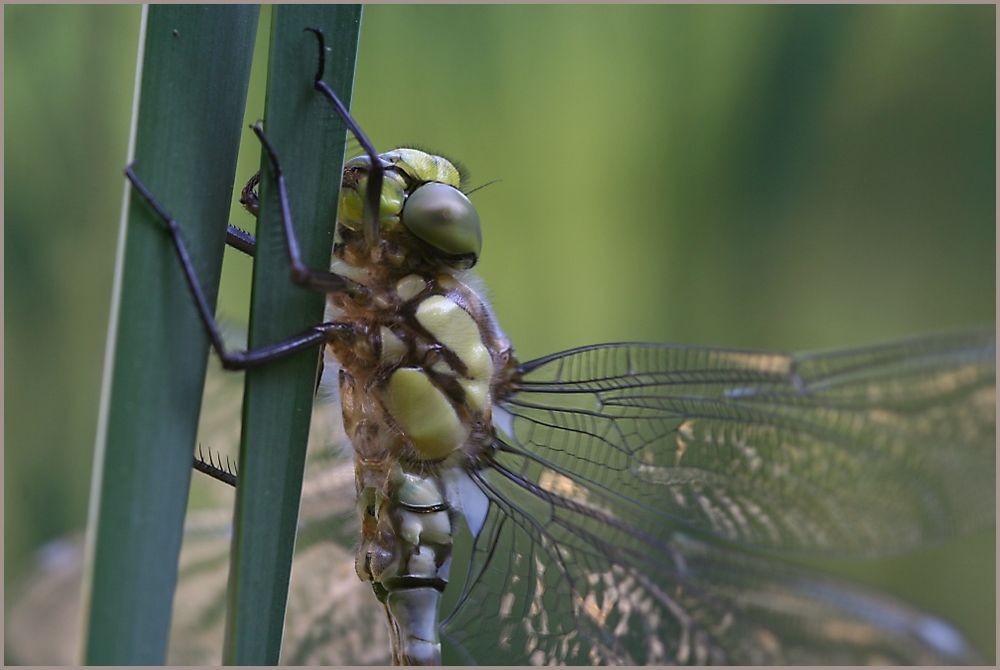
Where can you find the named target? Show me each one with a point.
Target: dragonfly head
(421, 202)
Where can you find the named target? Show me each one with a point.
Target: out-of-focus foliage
(781, 177)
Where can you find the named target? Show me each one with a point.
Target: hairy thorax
(417, 385)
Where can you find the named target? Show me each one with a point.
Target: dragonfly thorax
(421, 368)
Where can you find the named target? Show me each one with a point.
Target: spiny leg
(318, 280)
(224, 472)
(238, 238)
(233, 360)
(301, 274)
(373, 194)
(241, 240)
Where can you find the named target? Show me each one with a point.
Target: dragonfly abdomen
(420, 522)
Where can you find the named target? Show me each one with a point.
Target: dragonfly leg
(248, 196)
(325, 281)
(233, 360)
(241, 240)
(238, 238)
(224, 472)
(302, 275)
(373, 194)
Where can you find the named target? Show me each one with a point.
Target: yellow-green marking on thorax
(453, 327)
(424, 414)
(422, 410)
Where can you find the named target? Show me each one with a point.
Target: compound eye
(443, 217)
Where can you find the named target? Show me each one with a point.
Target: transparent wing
(42, 626)
(632, 478)
(332, 617)
(858, 452)
(564, 588)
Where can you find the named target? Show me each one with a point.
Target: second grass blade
(278, 400)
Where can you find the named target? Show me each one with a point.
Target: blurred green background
(777, 177)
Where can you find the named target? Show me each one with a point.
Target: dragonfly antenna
(482, 186)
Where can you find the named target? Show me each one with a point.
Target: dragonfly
(623, 503)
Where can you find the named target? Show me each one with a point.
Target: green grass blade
(186, 130)
(278, 398)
